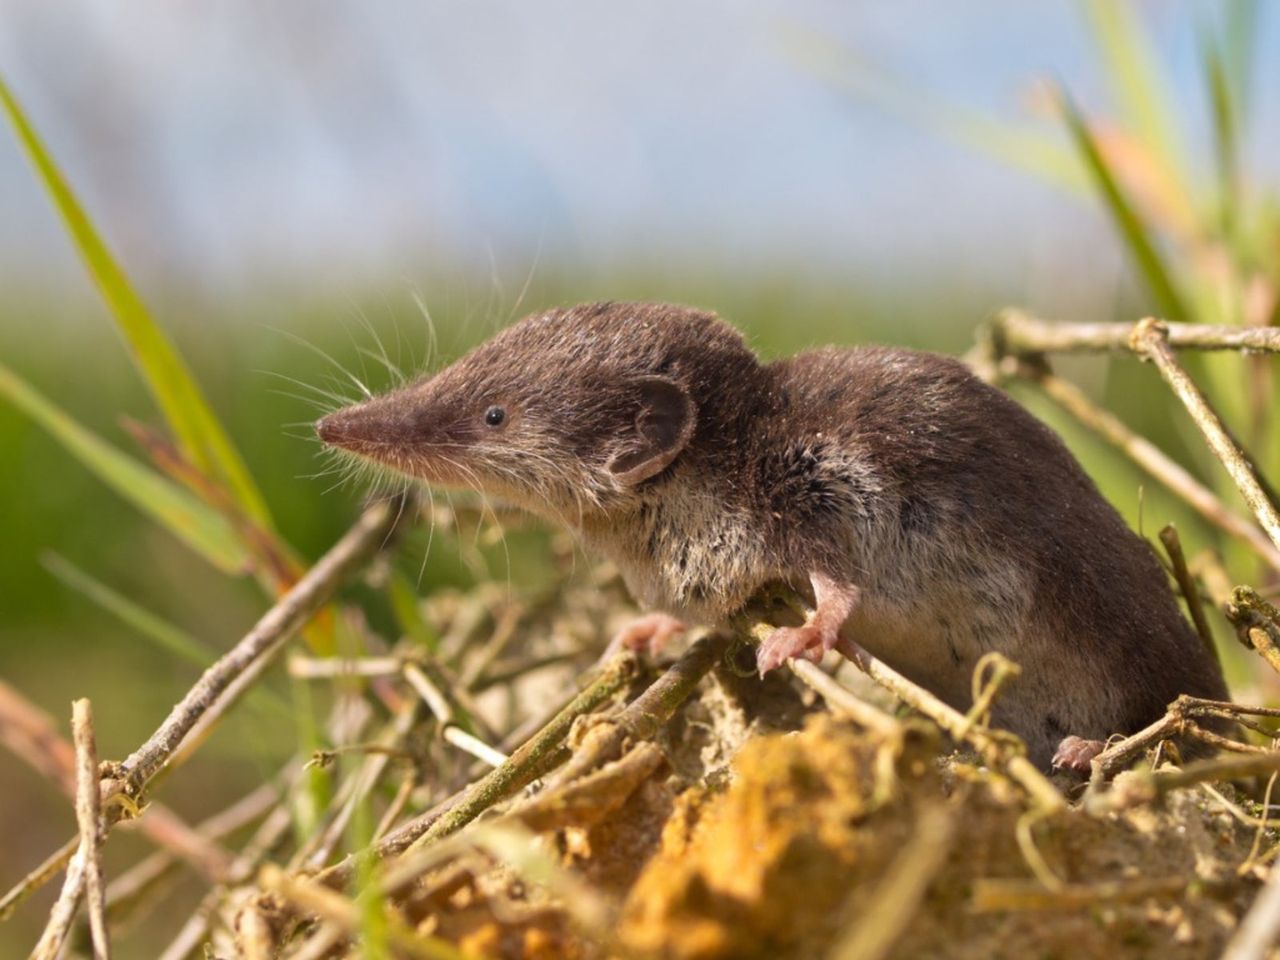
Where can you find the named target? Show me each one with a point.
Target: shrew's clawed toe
(808, 641)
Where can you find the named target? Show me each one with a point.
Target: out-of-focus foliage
(236, 482)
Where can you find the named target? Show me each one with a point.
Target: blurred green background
(283, 184)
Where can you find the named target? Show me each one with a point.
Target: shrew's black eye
(494, 416)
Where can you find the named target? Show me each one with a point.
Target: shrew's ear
(659, 432)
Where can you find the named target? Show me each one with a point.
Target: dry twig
(211, 693)
(1257, 933)
(999, 749)
(1178, 721)
(89, 820)
(899, 895)
(84, 872)
(1021, 333)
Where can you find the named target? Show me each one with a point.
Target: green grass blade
(161, 632)
(404, 603)
(1227, 65)
(1137, 85)
(180, 400)
(1014, 145)
(1133, 231)
(1225, 134)
(164, 634)
(178, 510)
(1240, 31)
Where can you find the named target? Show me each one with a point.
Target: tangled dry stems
(605, 753)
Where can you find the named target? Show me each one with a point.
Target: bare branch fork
(1151, 341)
(1016, 335)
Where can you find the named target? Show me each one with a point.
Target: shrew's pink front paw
(809, 641)
(649, 633)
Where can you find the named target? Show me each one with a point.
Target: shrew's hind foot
(1076, 754)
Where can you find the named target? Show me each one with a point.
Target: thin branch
(85, 860)
(999, 748)
(196, 930)
(1178, 720)
(258, 646)
(994, 746)
(470, 743)
(37, 878)
(314, 853)
(63, 914)
(1016, 343)
(327, 668)
(588, 799)
(1148, 786)
(127, 889)
(1257, 623)
(1190, 592)
(842, 699)
(1151, 341)
(1000, 895)
(216, 689)
(32, 736)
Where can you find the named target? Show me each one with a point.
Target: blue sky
(233, 144)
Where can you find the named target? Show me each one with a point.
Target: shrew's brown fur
(963, 522)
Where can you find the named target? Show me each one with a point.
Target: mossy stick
(842, 699)
(540, 753)
(648, 713)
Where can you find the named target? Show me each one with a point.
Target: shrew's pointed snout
(348, 427)
(342, 429)
(326, 429)
(377, 425)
